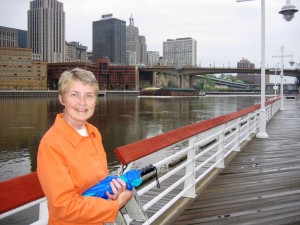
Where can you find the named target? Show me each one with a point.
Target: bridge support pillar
(191, 81)
(154, 79)
(182, 83)
(137, 78)
(180, 80)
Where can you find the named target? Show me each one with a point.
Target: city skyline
(226, 31)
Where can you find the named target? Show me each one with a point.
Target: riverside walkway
(261, 185)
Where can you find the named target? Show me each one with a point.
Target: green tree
(223, 76)
(231, 78)
(205, 83)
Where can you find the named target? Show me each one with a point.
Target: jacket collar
(69, 132)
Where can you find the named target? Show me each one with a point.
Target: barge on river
(152, 91)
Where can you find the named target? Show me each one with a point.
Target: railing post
(275, 106)
(221, 147)
(253, 122)
(278, 105)
(248, 127)
(133, 210)
(191, 192)
(44, 215)
(267, 113)
(272, 111)
(237, 135)
(257, 119)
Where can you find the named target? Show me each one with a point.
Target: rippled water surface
(120, 119)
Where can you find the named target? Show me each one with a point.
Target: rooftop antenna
(131, 21)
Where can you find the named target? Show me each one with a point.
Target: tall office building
(22, 38)
(136, 47)
(75, 52)
(152, 58)
(109, 39)
(180, 52)
(245, 64)
(132, 43)
(249, 78)
(46, 30)
(142, 50)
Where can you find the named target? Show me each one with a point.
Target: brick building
(18, 71)
(122, 77)
(109, 77)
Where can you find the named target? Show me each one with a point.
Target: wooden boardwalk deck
(261, 185)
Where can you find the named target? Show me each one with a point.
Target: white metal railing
(43, 211)
(201, 154)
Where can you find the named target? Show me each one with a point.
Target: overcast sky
(225, 31)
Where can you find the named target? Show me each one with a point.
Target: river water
(120, 119)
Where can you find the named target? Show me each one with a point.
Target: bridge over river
(216, 70)
(191, 72)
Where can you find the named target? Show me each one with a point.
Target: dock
(261, 185)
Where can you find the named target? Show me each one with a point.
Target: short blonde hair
(77, 74)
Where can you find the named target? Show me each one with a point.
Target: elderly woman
(71, 158)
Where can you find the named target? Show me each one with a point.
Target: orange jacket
(67, 165)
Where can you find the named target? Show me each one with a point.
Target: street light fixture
(292, 63)
(288, 11)
(281, 75)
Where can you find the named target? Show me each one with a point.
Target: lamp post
(281, 75)
(275, 87)
(262, 114)
(288, 13)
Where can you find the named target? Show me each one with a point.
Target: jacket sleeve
(64, 202)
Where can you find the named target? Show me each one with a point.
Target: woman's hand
(120, 193)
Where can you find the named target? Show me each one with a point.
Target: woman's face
(79, 101)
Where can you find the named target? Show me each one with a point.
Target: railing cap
(19, 191)
(137, 150)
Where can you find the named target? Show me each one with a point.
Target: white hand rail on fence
(197, 155)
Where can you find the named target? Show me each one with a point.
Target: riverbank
(54, 93)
